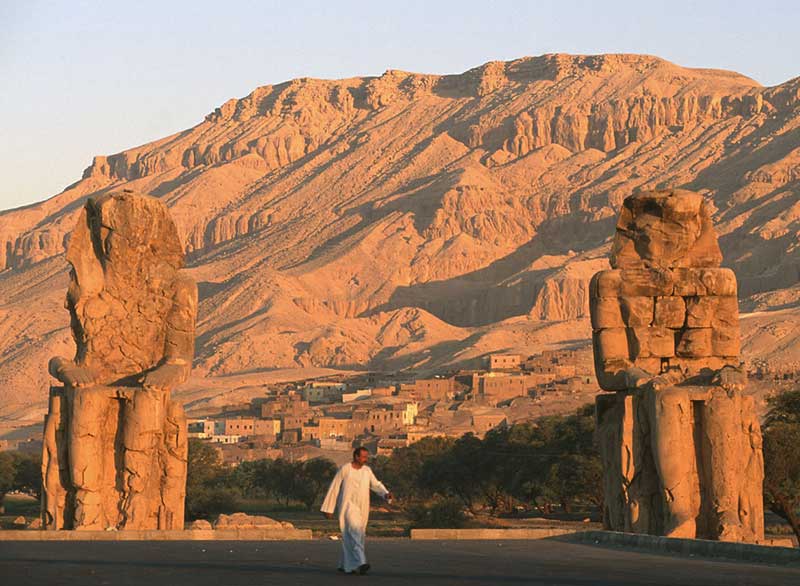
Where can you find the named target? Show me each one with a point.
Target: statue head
(125, 255)
(665, 229)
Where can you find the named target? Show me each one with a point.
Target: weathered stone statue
(680, 441)
(115, 445)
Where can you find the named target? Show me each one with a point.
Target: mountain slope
(418, 221)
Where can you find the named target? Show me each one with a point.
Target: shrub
(203, 502)
(444, 513)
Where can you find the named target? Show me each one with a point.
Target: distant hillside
(421, 221)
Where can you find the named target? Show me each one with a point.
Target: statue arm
(179, 342)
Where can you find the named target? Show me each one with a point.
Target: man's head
(360, 456)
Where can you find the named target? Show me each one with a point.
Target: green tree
(285, 479)
(208, 486)
(254, 479)
(315, 477)
(28, 474)
(446, 512)
(7, 471)
(550, 461)
(781, 432)
(403, 471)
(465, 471)
(523, 462)
(203, 463)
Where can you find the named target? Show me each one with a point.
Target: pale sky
(87, 78)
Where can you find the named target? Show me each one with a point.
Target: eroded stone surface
(114, 443)
(245, 521)
(680, 441)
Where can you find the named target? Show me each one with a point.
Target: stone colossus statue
(115, 444)
(679, 438)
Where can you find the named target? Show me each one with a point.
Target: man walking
(349, 493)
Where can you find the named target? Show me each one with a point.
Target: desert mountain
(413, 221)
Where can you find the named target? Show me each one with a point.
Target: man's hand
(328, 515)
(389, 498)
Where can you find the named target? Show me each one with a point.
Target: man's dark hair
(358, 450)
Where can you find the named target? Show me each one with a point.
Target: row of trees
(213, 488)
(552, 462)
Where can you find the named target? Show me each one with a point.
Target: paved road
(395, 562)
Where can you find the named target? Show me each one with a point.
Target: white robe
(349, 493)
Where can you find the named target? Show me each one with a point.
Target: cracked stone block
(719, 281)
(700, 311)
(694, 343)
(637, 311)
(651, 342)
(606, 284)
(725, 341)
(727, 314)
(670, 312)
(646, 282)
(606, 312)
(612, 343)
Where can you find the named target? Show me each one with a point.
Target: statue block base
(114, 457)
(682, 461)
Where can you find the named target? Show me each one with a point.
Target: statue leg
(173, 488)
(88, 412)
(726, 445)
(54, 462)
(143, 430)
(673, 452)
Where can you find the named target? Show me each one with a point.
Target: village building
(310, 432)
(266, 428)
(200, 428)
(387, 445)
(225, 439)
(289, 422)
(356, 395)
(504, 361)
(335, 427)
(293, 404)
(496, 387)
(383, 418)
(323, 391)
(242, 426)
(335, 444)
(382, 391)
(437, 389)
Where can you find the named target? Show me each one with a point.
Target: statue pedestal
(682, 461)
(113, 457)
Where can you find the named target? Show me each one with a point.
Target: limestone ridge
(316, 212)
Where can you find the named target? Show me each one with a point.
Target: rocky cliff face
(404, 220)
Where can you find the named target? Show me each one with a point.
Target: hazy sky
(87, 78)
